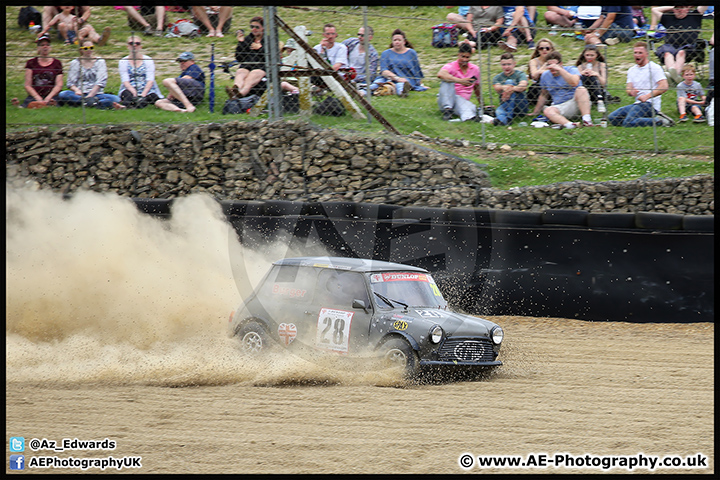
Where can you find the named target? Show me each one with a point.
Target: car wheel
(397, 353)
(254, 339)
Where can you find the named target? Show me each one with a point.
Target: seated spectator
(356, 56)
(86, 81)
(335, 53)
(510, 84)
(250, 54)
(516, 19)
(138, 87)
(214, 20)
(646, 83)
(185, 91)
(570, 100)
(49, 12)
(561, 16)
(289, 84)
(593, 71)
(459, 80)
(400, 65)
(682, 27)
(331, 51)
(67, 24)
(141, 18)
(536, 67)
(43, 77)
(460, 18)
(614, 25)
(690, 96)
(486, 25)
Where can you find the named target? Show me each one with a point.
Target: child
(690, 96)
(510, 84)
(66, 23)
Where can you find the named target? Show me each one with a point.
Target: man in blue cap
(185, 91)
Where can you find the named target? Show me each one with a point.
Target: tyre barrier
(639, 267)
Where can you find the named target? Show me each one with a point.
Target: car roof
(350, 264)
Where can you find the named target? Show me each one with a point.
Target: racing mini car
(351, 306)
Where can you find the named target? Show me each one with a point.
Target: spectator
(290, 83)
(86, 81)
(646, 82)
(711, 74)
(615, 25)
(516, 16)
(400, 65)
(356, 56)
(49, 12)
(66, 22)
(43, 77)
(569, 98)
(187, 90)
(214, 20)
(690, 96)
(682, 27)
(459, 80)
(250, 54)
(486, 25)
(140, 18)
(334, 53)
(593, 71)
(460, 18)
(536, 67)
(510, 84)
(561, 16)
(138, 87)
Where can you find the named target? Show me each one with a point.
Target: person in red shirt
(43, 77)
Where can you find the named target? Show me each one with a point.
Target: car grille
(467, 350)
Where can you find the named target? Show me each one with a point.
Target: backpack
(239, 105)
(444, 35)
(330, 106)
(27, 15)
(183, 28)
(290, 103)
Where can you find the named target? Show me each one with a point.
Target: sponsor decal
(398, 277)
(288, 291)
(400, 325)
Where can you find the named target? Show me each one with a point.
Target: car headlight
(436, 334)
(497, 335)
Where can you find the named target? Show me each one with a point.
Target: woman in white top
(86, 81)
(137, 74)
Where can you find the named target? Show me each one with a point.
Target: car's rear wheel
(254, 338)
(397, 353)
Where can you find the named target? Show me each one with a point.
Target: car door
(340, 328)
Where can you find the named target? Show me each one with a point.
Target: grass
(592, 154)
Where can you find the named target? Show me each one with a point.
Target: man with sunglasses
(186, 90)
(356, 56)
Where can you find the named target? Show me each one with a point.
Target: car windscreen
(409, 288)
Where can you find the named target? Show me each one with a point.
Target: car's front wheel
(397, 353)
(254, 338)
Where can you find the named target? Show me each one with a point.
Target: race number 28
(333, 329)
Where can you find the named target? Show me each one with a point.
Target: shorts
(193, 90)
(568, 109)
(668, 48)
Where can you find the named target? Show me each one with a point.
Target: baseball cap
(291, 43)
(45, 36)
(185, 56)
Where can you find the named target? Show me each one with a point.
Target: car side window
(289, 283)
(339, 289)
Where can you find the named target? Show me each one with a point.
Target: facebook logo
(17, 444)
(17, 462)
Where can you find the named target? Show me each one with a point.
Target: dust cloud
(98, 292)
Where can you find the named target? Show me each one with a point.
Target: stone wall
(292, 160)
